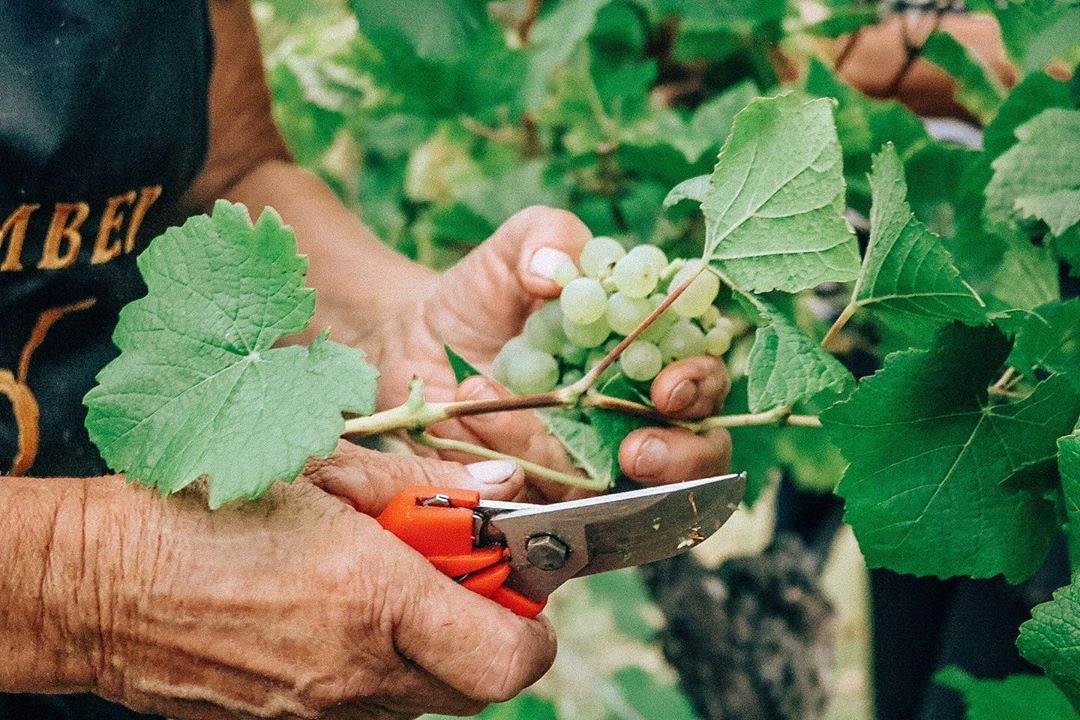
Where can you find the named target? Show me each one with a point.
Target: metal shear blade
(549, 544)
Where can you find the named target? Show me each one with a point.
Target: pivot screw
(546, 552)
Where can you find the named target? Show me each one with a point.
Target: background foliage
(441, 118)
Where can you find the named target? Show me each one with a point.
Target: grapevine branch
(416, 414)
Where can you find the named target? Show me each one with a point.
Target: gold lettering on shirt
(14, 387)
(63, 230)
(147, 197)
(105, 248)
(14, 230)
(64, 240)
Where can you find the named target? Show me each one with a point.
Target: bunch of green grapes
(603, 301)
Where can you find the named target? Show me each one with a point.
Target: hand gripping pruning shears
(518, 553)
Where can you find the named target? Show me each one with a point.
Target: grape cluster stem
(415, 415)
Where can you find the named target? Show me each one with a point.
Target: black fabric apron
(103, 126)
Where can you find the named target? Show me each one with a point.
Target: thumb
(525, 251)
(368, 479)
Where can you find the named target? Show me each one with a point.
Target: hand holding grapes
(486, 300)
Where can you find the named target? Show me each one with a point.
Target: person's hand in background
(299, 606)
(483, 301)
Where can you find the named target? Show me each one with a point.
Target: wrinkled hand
(302, 607)
(483, 301)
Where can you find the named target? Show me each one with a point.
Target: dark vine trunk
(751, 639)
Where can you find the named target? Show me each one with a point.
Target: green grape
(641, 360)
(659, 327)
(625, 313)
(683, 340)
(583, 301)
(513, 348)
(652, 255)
(634, 276)
(571, 376)
(531, 371)
(543, 329)
(718, 341)
(572, 354)
(708, 319)
(699, 296)
(565, 273)
(600, 255)
(589, 335)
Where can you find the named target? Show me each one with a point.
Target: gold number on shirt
(13, 386)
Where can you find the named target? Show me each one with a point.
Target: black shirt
(103, 126)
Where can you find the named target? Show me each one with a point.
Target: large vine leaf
(774, 202)
(198, 388)
(1049, 338)
(1051, 639)
(1015, 696)
(1031, 96)
(863, 125)
(929, 454)
(906, 269)
(1037, 31)
(1069, 470)
(440, 29)
(978, 89)
(786, 366)
(583, 443)
(1039, 176)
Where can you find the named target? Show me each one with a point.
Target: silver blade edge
(609, 532)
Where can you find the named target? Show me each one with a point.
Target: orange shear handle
(444, 534)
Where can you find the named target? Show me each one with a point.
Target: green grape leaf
(1069, 470)
(1030, 97)
(1049, 338)
(863, 125)
(773, 206)
(705, 129)
(929, 454)
(624, 592)
(583, 442)
(614, 426)
(1051, 639)
(463, 369)
(907, 270)
(1039, 176)
(1026, 275)
(552, 40)
(1037, 31)
(1016, 696)
(978, 89)
(199, 388)
(650, 698)
(787, 366)
(439, 29)
(845, 19)
(690, 189)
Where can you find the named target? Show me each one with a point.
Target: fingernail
(651, 458)
(683, 396)
(491, 472)
(546, 261)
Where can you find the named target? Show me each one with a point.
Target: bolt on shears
(518, 553)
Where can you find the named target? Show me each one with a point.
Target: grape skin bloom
(641, 361)
(599, 256)
(634, 276)
(701, 293)
(583, 301)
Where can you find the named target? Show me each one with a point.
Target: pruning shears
(518, 553)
